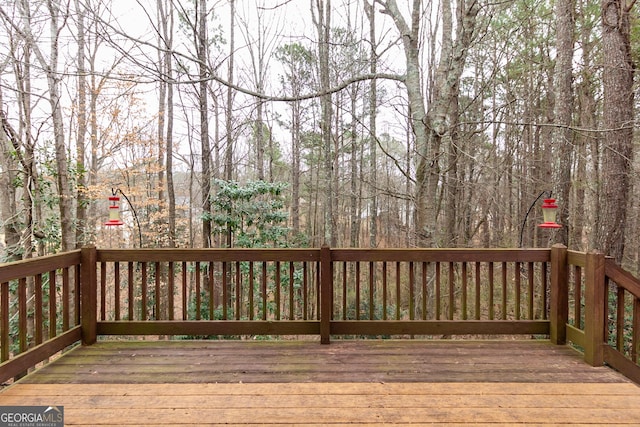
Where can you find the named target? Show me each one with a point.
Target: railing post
(559, 298)
(326, 294)
(88, 294)
(594, 309)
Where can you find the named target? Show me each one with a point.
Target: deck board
(348, 382)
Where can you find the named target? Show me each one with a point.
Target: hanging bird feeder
(114, 211)
(549, 213)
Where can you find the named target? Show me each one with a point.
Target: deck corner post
(88, 294)
(326, 294)
(594, 309)
(559, 298)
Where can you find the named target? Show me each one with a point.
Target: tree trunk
(322, 21)
(204, 124)
(8, 206)
(82, 229)
(373, 142)
(586, 116)
(618, 125)
(228, 165)
(562, 137)
(171, 194)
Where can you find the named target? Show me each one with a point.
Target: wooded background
(354, 123)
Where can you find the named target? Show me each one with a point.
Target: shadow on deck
(303, 383)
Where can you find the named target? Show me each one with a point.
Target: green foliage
(254, 213)
(298, 61)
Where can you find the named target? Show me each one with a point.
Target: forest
(295, 123)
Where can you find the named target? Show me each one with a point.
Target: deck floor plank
(347, 382)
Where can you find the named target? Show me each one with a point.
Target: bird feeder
(114, 211)
(549, 212)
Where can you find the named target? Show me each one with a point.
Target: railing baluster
(384, 291)
(211, 290)
(398, 294)
(198, 291)
(438, 295)
(492, 309)
(478, 290)
(452, 291)
(225, 291)
(38, 319)
(464, 291)
(578, 297)
(620, 319)
(305, 290)
(4, 322)
(357, 285)
(143, 305)
(131, 290)
(372, 291)
(171, 291)
(238, 292)
(504, 291)
(277, 287)
(22, 314)
(251, 296)
(635, 341)
(412, 279)
(545, 291)
(103, 290)
(185, 295)
(77, 294)
(53, 306)
(158, 297)
(116, 290)
(65, 299)
(518, 291)
(263, 284)
(291, 291)
(531, 290)
(345, 294)
(425, 267)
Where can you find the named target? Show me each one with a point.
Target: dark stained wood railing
(39, 310)
(621, 315)
(208, 292)
(569, 296)
(603, 312)
(440, 292)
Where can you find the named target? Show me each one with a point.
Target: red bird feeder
(549, 212)
(114, 211)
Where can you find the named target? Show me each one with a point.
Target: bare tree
(165, 114)
(321, 10)
(432, 124)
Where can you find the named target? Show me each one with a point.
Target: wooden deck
(348, 382)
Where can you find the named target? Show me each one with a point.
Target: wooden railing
(282, 292)
(189, 293)
(39, 310)
(603, 312)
